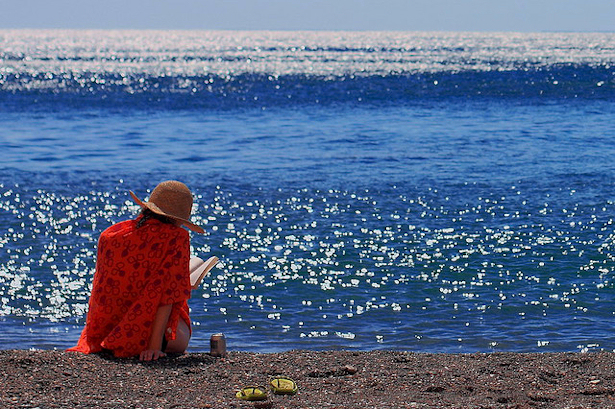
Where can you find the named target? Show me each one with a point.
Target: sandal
(252, 393)
(282, 385)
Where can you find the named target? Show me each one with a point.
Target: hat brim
(157, 210)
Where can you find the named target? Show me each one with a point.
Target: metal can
(217, 344)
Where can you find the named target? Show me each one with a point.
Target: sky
(353, 15)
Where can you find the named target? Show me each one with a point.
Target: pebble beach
(326, 379)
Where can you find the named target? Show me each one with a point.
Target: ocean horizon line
(264, 30)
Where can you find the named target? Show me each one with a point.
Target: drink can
(217, 344)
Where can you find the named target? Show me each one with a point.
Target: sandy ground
(326, 379)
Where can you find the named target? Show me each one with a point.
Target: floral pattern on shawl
(137, 270)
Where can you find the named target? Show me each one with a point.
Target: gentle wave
(262, 91)
(284, 53)
(267, 69)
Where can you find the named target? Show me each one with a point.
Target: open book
(200, 268)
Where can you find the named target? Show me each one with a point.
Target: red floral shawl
(137, 270)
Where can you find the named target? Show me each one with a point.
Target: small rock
(349, 369)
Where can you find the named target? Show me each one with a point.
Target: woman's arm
(154, 349)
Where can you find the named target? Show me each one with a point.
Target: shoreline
(326, 379)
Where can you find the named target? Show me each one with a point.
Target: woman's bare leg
(182, 338)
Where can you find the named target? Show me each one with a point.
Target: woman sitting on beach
(138, 304)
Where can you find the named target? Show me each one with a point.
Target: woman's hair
(147, 214)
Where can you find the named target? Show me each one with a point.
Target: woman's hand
(151, 355)
(154, 348)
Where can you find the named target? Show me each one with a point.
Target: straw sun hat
(171, 199)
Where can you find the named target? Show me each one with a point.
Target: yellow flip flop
(252, 393)
(282, 385)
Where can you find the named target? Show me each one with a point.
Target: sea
(416, 191)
